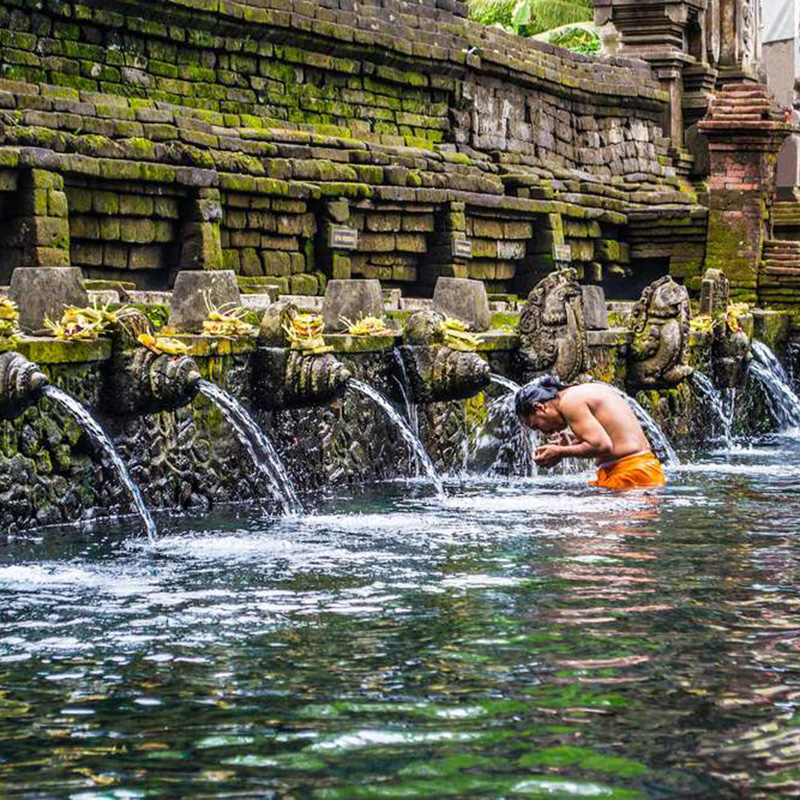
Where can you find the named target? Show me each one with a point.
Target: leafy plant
(578, 40)
(531, 17)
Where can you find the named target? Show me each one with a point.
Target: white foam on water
(25, 577)
(762, 470)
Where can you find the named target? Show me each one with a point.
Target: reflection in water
(528, 638)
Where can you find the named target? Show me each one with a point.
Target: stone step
(781, 269)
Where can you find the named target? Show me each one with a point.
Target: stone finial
(595, 311)
(350, 299)
(714, 293)
(195, 290)
(659, 354)
(463, 299)
(45, 292)
(552, 328)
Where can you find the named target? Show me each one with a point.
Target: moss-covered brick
(276, 263)
(137, 231)
(230, 259)
(304, 284)
(109, 229)
(135, 205)
(250, 262)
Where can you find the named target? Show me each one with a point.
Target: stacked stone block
(447, 148)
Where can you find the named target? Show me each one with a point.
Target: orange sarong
(639, 471)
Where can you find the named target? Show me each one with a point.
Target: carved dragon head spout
(552, 328)
(145, 374)
(294, 378)
(436, 370)
(659, 353)
(21, 384)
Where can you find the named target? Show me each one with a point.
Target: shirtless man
(603, 427)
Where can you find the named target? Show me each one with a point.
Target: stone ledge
(211, 346)
(49, 350)
(611, 337)
(344, 343)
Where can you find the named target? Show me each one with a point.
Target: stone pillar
(670, 35)
(39, 233)
(451, 250)
(336, 239)
(745, 132)
(201, 245)
(740, 41)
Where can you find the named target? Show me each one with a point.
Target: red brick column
(745, 133)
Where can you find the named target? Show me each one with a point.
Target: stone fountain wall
(191, 458)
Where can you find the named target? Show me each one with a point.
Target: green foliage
(578, 40)
(530, 17)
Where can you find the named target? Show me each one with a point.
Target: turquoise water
(523, 638)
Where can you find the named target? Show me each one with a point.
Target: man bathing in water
(603, 427)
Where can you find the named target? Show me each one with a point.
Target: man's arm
(594, 441)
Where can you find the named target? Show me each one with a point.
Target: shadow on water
(519, 638)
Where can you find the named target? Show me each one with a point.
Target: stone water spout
(552, 329)
(437, 372)
(21, 384)
(141, 381)
(287, 378)
(659, 354)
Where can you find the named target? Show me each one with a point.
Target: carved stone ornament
(140, 381)
(287, 378)
(552, 329)
(21, 384)
(658, 355)
(437, 372)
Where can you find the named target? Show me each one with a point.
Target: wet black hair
(537, 391)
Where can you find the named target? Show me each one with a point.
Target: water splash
(506, 383)
(258, 445)
(405, 431)
(505, 445)
(765, 356)
(781, 398)
(99, 437)
(404, 382)
(714, 401)
(657, 438)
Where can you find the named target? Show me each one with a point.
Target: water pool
(523, 638)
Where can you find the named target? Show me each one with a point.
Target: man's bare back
(578, 403)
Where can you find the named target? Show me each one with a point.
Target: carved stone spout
(140, 381)
(437, 372)
(21, 384)
(552, 329)
(658, 356)
(287, 378)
